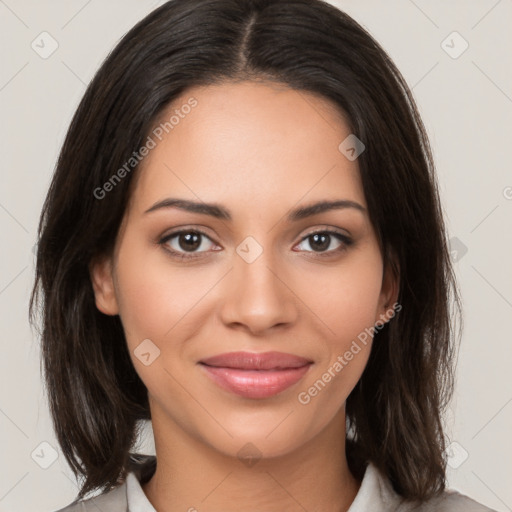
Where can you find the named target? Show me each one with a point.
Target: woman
(243, 242)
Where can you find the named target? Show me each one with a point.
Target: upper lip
(256, 361)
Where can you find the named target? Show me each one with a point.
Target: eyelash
(346, 242)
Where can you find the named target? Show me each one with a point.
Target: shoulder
(114, 501)
(378, 490)
(449, 501)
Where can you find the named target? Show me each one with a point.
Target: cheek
(158, 301)
(347, 305)
(155, 297)
(346, 300)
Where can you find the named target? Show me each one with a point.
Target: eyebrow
(220, 212)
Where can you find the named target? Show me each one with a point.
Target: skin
(260, 150)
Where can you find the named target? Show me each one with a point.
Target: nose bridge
(256, 296)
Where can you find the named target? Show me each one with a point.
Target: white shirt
(375, 495)
(137, 500)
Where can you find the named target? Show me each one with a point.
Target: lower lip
(255, 383)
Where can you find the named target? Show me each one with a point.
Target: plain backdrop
(456, 57)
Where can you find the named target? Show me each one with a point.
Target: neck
(193, 476)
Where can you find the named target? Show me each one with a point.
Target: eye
(321, 241)
(189, 244)
(184, 244)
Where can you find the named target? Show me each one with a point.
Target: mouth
(256, 375)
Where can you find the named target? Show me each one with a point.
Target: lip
(256, 375)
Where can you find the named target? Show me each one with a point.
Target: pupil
(189, 241)
(324, 244)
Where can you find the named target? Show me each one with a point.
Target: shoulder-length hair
(95, 396)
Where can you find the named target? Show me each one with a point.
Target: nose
(257, 297)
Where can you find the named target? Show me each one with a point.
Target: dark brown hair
(96, 398)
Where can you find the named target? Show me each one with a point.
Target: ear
(100, 270)
(389, 291)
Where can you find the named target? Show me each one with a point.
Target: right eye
(184, 244)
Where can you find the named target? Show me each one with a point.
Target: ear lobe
(389, 291)
(100, 270)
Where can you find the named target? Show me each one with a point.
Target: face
(257, 273)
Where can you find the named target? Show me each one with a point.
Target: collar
(375, 492)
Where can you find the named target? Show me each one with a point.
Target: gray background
(466, 103)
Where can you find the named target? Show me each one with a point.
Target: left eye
(321, 241)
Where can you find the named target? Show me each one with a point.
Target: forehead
(248, 143)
